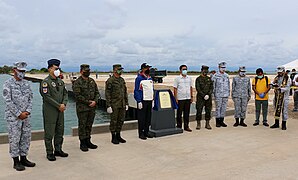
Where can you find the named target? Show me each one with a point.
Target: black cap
(52, 62)
(259, 70)
(145, 65)
(205, 68)
(288, 71)
(85, 67)
(118, 66)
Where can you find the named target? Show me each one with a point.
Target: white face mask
(241, 73)
(20, 75)
(57, 72)
(222, 70)
(184, 72)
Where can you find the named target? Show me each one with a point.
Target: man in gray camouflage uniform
(18, 97)
(241, 94)
(221, 90)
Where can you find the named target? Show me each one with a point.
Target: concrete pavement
(221, 153)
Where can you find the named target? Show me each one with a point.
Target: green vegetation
(5, 69)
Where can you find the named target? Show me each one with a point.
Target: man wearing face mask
(281, 84)
(55, 97)
(117, 103)
(261, 87)
(143, 94)
(18, 97)
(221, 88)
(204, 87)
(241, 94)
(86, 94)
(183, 95)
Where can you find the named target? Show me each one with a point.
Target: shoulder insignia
(45, 90)
(53, 84)
(44, 84)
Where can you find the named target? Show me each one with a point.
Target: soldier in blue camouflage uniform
(221, 90)
(18, 97)
(117, 102)
(86, 94)
(241, 94)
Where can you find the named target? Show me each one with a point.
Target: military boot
(222, 122)
(276, 124)
(17, 164)
(207, 125)
(242, 123)
(198, 125)
(218, 122)
(83, 145)
(283, 125)
(51, 157)
(120, 139)
(114, 139)
(90, 144)
(237, 122)
(25, 162)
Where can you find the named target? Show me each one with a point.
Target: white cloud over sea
(161, 32)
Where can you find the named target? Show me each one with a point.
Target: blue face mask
(184, 72)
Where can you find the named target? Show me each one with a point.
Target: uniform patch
(45, 90)
(53, 84)
(60, 84)
(44, 84)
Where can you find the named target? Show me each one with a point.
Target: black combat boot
(25, 162)
(51, 157)
(237, 122)
(222, 122)
(120, 139)
(242, 123)
(217, 122)
(283, 125)
(17, 164)
(90, 144)
(83, 145)
(207, 125)
(276, 124)
(60, 153)
(114, 139)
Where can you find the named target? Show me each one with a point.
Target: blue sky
(164, 33)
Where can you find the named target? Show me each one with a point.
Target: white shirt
(183, 85)
(294, 80)
(147, 86)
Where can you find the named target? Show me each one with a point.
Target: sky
(163, 33)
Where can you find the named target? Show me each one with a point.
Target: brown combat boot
(207, 126)
(198, 125)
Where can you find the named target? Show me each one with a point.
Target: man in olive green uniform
(86, 94)
(117, 102)
(54, 95)
(204, 87)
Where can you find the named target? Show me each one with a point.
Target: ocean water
(36, 120)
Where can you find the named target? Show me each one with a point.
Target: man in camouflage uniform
(55, 97)
(241, 94)
(117, 102)
(221, 85)
(86, 94)
(18, 97)
(281, 84)
(204, 87)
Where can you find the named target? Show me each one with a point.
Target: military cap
(242, 68)
(280, 69)
(205, 67)
(85, 67)
(222, 64)
(145, 65)
(118, 66)
(20, 66)
(52, 62)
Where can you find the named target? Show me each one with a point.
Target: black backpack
(256, 80)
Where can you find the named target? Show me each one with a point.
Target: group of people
(18, 97)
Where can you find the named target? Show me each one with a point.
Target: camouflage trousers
(19, 136)
(240, 105)
(86, 119)
(221, 106)
(117, 119)
(201, 103)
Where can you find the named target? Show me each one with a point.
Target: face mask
(184, 72)
(57, 72)
(147, 72)
(20, 75)
(222, 70)
(119, 72)
(241, 73)
(260, 77)
(86, 74)
(204, 73)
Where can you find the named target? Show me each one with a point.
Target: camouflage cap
(118, 66)
(280, 69)
(20, 66)
(85, 67)
(222, 64)
(242, 68)
(205, 67)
